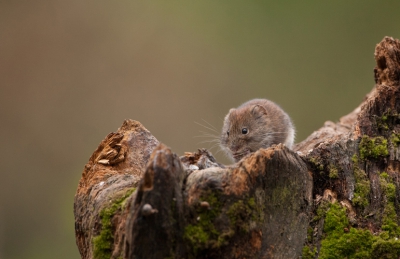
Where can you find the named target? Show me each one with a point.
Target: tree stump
(335, 195)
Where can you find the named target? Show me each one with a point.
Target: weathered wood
(111, 175)
(157, 219)
(355, 163)
(335, 196)
(220, 206)
(251, 210)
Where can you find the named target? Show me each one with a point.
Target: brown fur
(266, 122)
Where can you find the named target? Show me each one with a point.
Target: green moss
(308, 253)
(197, 235)
(251, 202)
(321, 210)
(339, 244)
(333, 171)
(317, 163)
(361, 192)
(354, 244)
(335, 219)
(102, 244)
(281, 195)
(382, 122)
(362, 185)
(395, 139)
(388, 119)
(310, 233)
(388, 188)
(389, 221)
(203, 234)
(308, 250)
(241, 214)
(383, 249)
(342, 241)
(384, 175)
(354, 159)
(373, 147)
(388, 245)
(391, 192)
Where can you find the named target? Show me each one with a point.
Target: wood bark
(137, 199)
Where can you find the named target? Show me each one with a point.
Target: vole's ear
(258, 111)
(229, 114)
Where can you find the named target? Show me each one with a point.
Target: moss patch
(321, 210)
(387, 186)
(341, 241)
(317, 163)
(395, 139)
(198, 235)
(240, 214)
(390, 226)
(333, 171)
(389, 222)
(102, 244)
(338, 244)
(386, 249)
(362, 186)
(382, 122)
(373, 147)
(203, 234)
(308, 253)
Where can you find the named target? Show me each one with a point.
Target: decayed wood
(113, 170)
(130, 204)
(255, 209)
(354, 160)
(157, 218)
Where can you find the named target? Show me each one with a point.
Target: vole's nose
(234, 148)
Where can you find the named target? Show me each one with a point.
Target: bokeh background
(72, 71)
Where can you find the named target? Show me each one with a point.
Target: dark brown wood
(137, 199)
(157, 220)
(355, 160)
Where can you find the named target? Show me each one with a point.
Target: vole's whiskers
(209, 124)
(210, 127)
(213, 137)
(217, 146)
(220, 149)
(216, 141)
(206, 134)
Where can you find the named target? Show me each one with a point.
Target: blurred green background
(72, 71)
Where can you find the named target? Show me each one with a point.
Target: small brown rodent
(258, 123)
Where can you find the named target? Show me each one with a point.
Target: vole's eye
(245, 131)
(227, 133)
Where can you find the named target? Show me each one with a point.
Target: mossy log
(335, 195)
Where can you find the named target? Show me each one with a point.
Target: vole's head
(245, 130)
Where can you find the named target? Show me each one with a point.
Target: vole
(258, 123)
